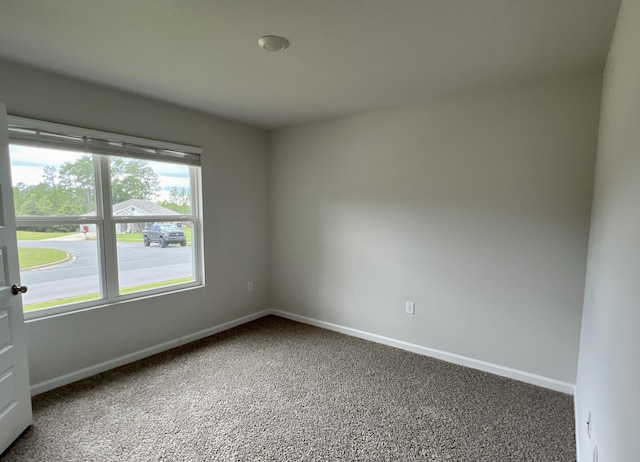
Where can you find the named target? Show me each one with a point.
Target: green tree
(71, 189)
(133, 179)
(19, 197)
(32, 200)
(49, 173)
(76, 178)
(179, 201)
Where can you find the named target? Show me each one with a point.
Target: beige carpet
(276, 390)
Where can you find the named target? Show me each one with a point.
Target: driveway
(137, 265)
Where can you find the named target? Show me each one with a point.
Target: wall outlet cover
(410, 308)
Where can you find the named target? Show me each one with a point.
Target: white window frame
(105, 222)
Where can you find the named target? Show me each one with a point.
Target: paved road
(137, 265)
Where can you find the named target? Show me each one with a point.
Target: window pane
(59, 203)
(52, 182)
(159, 255)
(59, 264)
(141, 187)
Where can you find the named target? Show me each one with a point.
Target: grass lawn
(95, 296)
(30, 257)
(35, 236)
(153, 285)
(60, 301)
(129, 237)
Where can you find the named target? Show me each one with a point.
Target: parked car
(164, 235)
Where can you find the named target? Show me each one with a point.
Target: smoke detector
(273, 43)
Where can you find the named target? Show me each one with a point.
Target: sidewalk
(73, 237)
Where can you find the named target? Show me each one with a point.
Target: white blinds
(49, 135)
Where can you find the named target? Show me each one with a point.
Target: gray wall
(609, 368)
(234, 170)
(476, 207)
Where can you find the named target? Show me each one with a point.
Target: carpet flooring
(277, 390)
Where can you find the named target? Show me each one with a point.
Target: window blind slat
(36, 137)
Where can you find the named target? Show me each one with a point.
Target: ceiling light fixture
(273, 43)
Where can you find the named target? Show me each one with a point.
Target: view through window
(95, 226)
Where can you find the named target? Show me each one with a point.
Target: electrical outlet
(589, 425)
(410, 308)
(250, 286)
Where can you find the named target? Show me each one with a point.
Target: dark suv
(164, 235)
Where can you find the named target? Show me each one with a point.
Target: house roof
(137, 207)
(141, 207)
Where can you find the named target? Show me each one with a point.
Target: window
(102, 217)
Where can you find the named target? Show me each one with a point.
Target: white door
(15, 396)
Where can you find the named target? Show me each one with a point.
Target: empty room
(317, 230)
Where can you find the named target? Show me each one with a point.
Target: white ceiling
(345, 55)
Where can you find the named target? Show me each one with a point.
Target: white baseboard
(576, 408)
(515, 374)
(80, 374)
(496, 369)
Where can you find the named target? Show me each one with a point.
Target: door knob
(16, 289)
